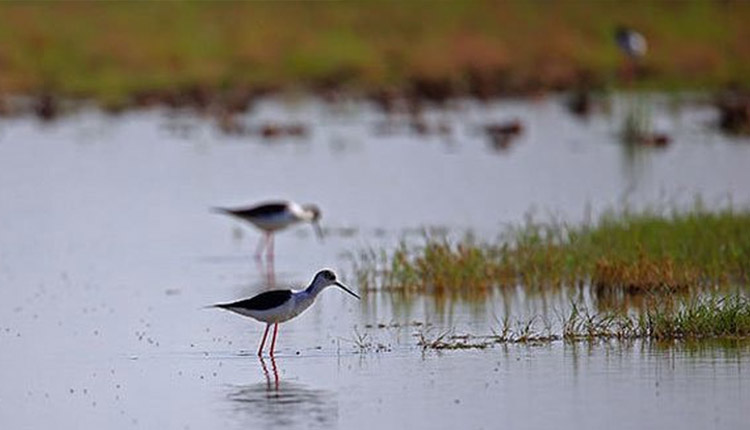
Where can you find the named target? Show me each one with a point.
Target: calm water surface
(108, 253)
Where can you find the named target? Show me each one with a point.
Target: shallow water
(108, 253)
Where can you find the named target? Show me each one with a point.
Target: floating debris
(579, 103)
(502, 134)
(46, 107)
(274, 130)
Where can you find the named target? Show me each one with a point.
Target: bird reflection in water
(268, 376)
(266, 271)
(276, 403)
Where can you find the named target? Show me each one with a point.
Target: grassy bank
(622, 252)
(117, 51)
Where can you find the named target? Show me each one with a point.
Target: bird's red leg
(263, 342)
(270, 273)
(262, 243)
(270, 246)
(273, 342)
(275, 373)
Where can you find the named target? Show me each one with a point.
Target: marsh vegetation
(711, 317)
(681, 267)
(197, 54)
(637, 252)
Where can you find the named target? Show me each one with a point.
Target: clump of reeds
(696, 318)
(643, 275)
(631, 252)
(581, 323)
(713, 317)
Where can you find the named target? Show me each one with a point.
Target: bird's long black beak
(343, 287)
(318, 230)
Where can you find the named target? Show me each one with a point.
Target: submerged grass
(649, 252)
(694, 319)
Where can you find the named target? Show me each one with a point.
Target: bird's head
(313, 213)
(326, 278)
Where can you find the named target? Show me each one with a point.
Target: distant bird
(277, 306)
(630, 42)
(273, 216)
(633, 45)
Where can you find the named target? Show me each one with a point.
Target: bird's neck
(306, 215)
(300, 212)
(314, 289)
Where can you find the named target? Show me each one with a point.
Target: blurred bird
(633, 45)
(273, 216)
(277, 306)
(630, 42)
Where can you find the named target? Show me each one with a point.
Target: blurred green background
(110, 51)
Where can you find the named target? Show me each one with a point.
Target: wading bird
(273, 216)
(633, 45)
(630, 42)
(276, 306)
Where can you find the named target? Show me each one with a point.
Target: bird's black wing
(260, 210)
(261, 302)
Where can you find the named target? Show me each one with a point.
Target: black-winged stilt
(273, 216)
(276, 306)
(630, 42)
(633, 45)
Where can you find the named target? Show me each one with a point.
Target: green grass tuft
(647, 252)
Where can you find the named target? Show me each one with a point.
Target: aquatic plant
(694, 318)
(711, 317)
(364, 343)
(650, 251)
